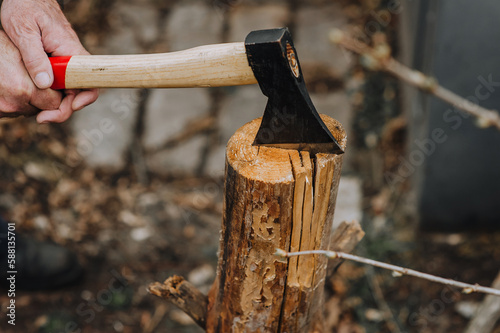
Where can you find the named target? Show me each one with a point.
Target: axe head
(290, 119)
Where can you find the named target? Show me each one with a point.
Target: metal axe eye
(292, 60)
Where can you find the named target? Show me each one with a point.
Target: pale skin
(35, 29)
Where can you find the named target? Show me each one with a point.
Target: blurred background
(134, 183)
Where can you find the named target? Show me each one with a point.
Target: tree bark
(274, 198)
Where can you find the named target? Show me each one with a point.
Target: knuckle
(45, 99)
(32, 61)
(22, 30)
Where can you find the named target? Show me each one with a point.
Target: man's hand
(38, 28)
(18, 93)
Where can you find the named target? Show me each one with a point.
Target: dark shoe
(41, 266)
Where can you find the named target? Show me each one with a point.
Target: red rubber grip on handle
(59, 65)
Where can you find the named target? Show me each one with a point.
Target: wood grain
(205, 66)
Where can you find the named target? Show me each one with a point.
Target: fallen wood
(274, 198)
(184, 295)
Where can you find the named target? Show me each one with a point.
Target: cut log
(274, 198)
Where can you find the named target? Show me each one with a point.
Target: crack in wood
(274, 198)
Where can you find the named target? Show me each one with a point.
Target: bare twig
(379, 58)
(397, 271)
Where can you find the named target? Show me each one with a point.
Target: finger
(85, 98)
(69, 44)
(46, 99)
(10, 114)
(13, 108)
(26, 111)
(59, 38)
(29, 111)
(60, 115)
(34, 57)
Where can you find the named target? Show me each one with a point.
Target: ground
(144, 202)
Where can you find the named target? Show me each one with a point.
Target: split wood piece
(488, 313)
(344, 239)
(184, 295)
(274, 198)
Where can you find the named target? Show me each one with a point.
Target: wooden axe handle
(205, 66)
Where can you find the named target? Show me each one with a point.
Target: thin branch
(379, 58)
(397, 271)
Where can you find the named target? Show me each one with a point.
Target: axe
(267, 57)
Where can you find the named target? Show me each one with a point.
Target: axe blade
(290, 119)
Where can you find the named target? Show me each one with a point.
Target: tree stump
(274, 198)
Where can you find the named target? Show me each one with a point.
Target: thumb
(35, 59)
